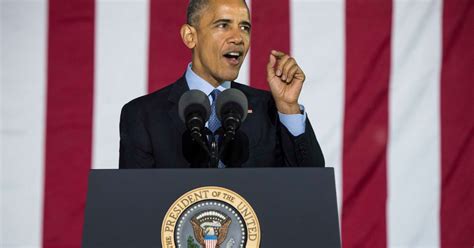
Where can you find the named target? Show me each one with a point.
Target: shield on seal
(210, 241)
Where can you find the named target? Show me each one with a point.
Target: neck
(211, 80)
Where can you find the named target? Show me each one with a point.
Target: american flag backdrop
(389, 92)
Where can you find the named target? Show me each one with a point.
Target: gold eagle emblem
(210, 223)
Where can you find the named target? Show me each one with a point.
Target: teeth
(234, 54)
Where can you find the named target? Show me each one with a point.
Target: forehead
(226, 9)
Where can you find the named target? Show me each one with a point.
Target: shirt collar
(195, 82)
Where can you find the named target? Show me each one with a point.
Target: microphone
(231, 109)
(194, 110)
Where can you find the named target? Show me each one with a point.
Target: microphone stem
(228, 137)
(214, 161)
(197, 136)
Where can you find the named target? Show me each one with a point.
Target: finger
(270, 65)
(291, 73)
(278, 54)
(286, 68)
(281, 63)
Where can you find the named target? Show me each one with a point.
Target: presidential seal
(210, 217)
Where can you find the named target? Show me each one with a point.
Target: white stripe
(120, 71)
(1, 122)
(317, 32)
(414, 143)
(23, 84)
(244, 74)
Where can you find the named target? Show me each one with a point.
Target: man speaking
(276, 131)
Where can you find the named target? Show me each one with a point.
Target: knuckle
(289, 66)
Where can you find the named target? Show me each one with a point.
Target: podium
(241, 207)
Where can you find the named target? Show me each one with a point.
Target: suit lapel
(251, 100)
(178, 89)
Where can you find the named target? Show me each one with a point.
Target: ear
(188, 35)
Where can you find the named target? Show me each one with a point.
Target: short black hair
(195, 7)
(194, 10)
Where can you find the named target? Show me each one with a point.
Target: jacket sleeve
(302, 150)
(135, 145)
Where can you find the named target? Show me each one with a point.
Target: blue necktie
(214, 122)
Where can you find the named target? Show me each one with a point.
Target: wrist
(288, 108)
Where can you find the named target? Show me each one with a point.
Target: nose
(236, 36)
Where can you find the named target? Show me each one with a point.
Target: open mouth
(233, 57)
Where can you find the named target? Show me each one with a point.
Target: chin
(231, 76)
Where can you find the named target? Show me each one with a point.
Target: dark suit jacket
(153, 136)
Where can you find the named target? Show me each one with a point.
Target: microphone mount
(194, 111)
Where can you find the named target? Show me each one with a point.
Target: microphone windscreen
(194, 101)
(232, 99)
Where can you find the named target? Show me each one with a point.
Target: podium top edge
(226, 169)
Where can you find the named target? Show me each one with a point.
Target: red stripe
(168, 56)
(270, 30)
(68, 120)
(457, 125)
(368, 35)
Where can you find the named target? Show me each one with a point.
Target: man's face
(222, 40)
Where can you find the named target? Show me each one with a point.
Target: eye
(222, 25)
(245, 28)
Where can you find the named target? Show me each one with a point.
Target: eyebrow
(246, 23)
(229, 21)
